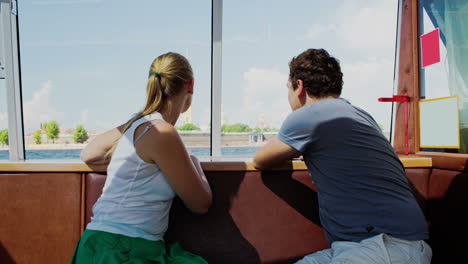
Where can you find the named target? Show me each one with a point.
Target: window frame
(10, 58)
(216, 75)
(408, 78)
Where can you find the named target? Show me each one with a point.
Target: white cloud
(370, 26)
(317, 30)
(361, 24)
(38, 110)
(364, 82)
(264, 97)
(263, 83)
(364, 32)
(265, 93)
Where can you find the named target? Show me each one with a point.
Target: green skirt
(98, 247)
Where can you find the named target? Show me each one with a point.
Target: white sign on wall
(439, 123)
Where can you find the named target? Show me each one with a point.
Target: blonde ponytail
(167, 76)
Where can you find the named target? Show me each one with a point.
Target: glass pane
(86, 63)
(258, 48)
(449, 76)
(4, 154)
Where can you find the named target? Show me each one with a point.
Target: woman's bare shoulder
(160, 136)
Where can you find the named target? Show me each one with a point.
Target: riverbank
(81, 146)
(67, 153)
(192, 139)
(49, 146)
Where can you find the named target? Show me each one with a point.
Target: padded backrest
(256, 217)
(419, 177)
(40, 217)
(93, 185)
(440, 181)
(269, 217)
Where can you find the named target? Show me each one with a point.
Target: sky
(86, 61)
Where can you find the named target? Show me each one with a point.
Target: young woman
(148, 167)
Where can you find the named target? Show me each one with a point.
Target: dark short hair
(320, 73)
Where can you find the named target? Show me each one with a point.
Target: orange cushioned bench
(256, 217)
(269, 217)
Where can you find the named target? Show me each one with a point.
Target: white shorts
(380, 249)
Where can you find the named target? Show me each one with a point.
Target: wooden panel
(248, 166)
(49, 166)
(408, 78)
(256, 217)
(412, 161)
(286, 205)
(208, 164)
(439, 182)
(94, 183)
(419, 177)
(39, 216)
(448, 161)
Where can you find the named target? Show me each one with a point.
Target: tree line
(234, 128)
(52, 131)
(80, 135)
(4, 137)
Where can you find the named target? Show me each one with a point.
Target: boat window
(84, 67)
(84, 64)
(261, 37)
(446, 73)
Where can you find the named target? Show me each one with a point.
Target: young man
(367, 208)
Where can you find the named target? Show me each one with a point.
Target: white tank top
(136, 198)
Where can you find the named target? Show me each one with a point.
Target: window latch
(2, 71)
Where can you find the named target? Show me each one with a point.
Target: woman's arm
(201, 173)
(94, 152)
(163, 145)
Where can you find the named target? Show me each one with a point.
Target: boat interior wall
(419, 177)
(447, 161)
(40, 217)
(257, 217)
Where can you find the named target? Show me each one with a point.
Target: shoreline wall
(190, 139)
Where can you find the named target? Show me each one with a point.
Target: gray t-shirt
(362, 187)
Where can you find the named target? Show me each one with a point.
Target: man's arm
(274, 153)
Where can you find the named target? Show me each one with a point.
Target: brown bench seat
(257, 217)
(269, 217)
